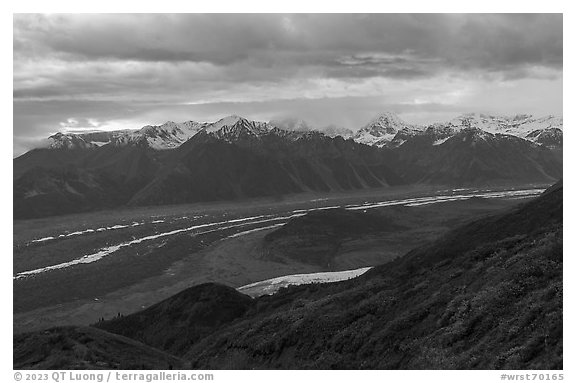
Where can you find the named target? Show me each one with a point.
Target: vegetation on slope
(86, 348)
(176, 323)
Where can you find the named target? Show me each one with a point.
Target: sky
(75, 72)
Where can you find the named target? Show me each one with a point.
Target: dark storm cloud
(467, 41)
(116, 55)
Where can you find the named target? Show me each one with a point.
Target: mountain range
(389, 130)
(236, 158)
(385, 130)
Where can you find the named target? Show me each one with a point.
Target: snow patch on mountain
(440, 141)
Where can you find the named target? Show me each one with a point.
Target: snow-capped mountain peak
(166, 136)
(382, 130)
(234, 127)
(68, 141)
(386, 123)
(226, 121)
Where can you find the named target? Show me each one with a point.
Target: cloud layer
(121, 70)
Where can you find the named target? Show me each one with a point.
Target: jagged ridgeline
(236, 158)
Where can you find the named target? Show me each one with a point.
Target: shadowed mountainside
(178, 322)
(86, 348)
(473, 156)
(204, 168)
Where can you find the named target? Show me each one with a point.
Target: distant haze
(76, 72)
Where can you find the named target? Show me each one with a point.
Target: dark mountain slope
(496, 302)
(72, 181)
(206, 168)
(176, 323)
(47, 159)
(78, 348)
(340, 164)
(473, 156)
(44, 192)
(528, 220)
(130, 163)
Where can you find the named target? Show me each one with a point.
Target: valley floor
(75, 270)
